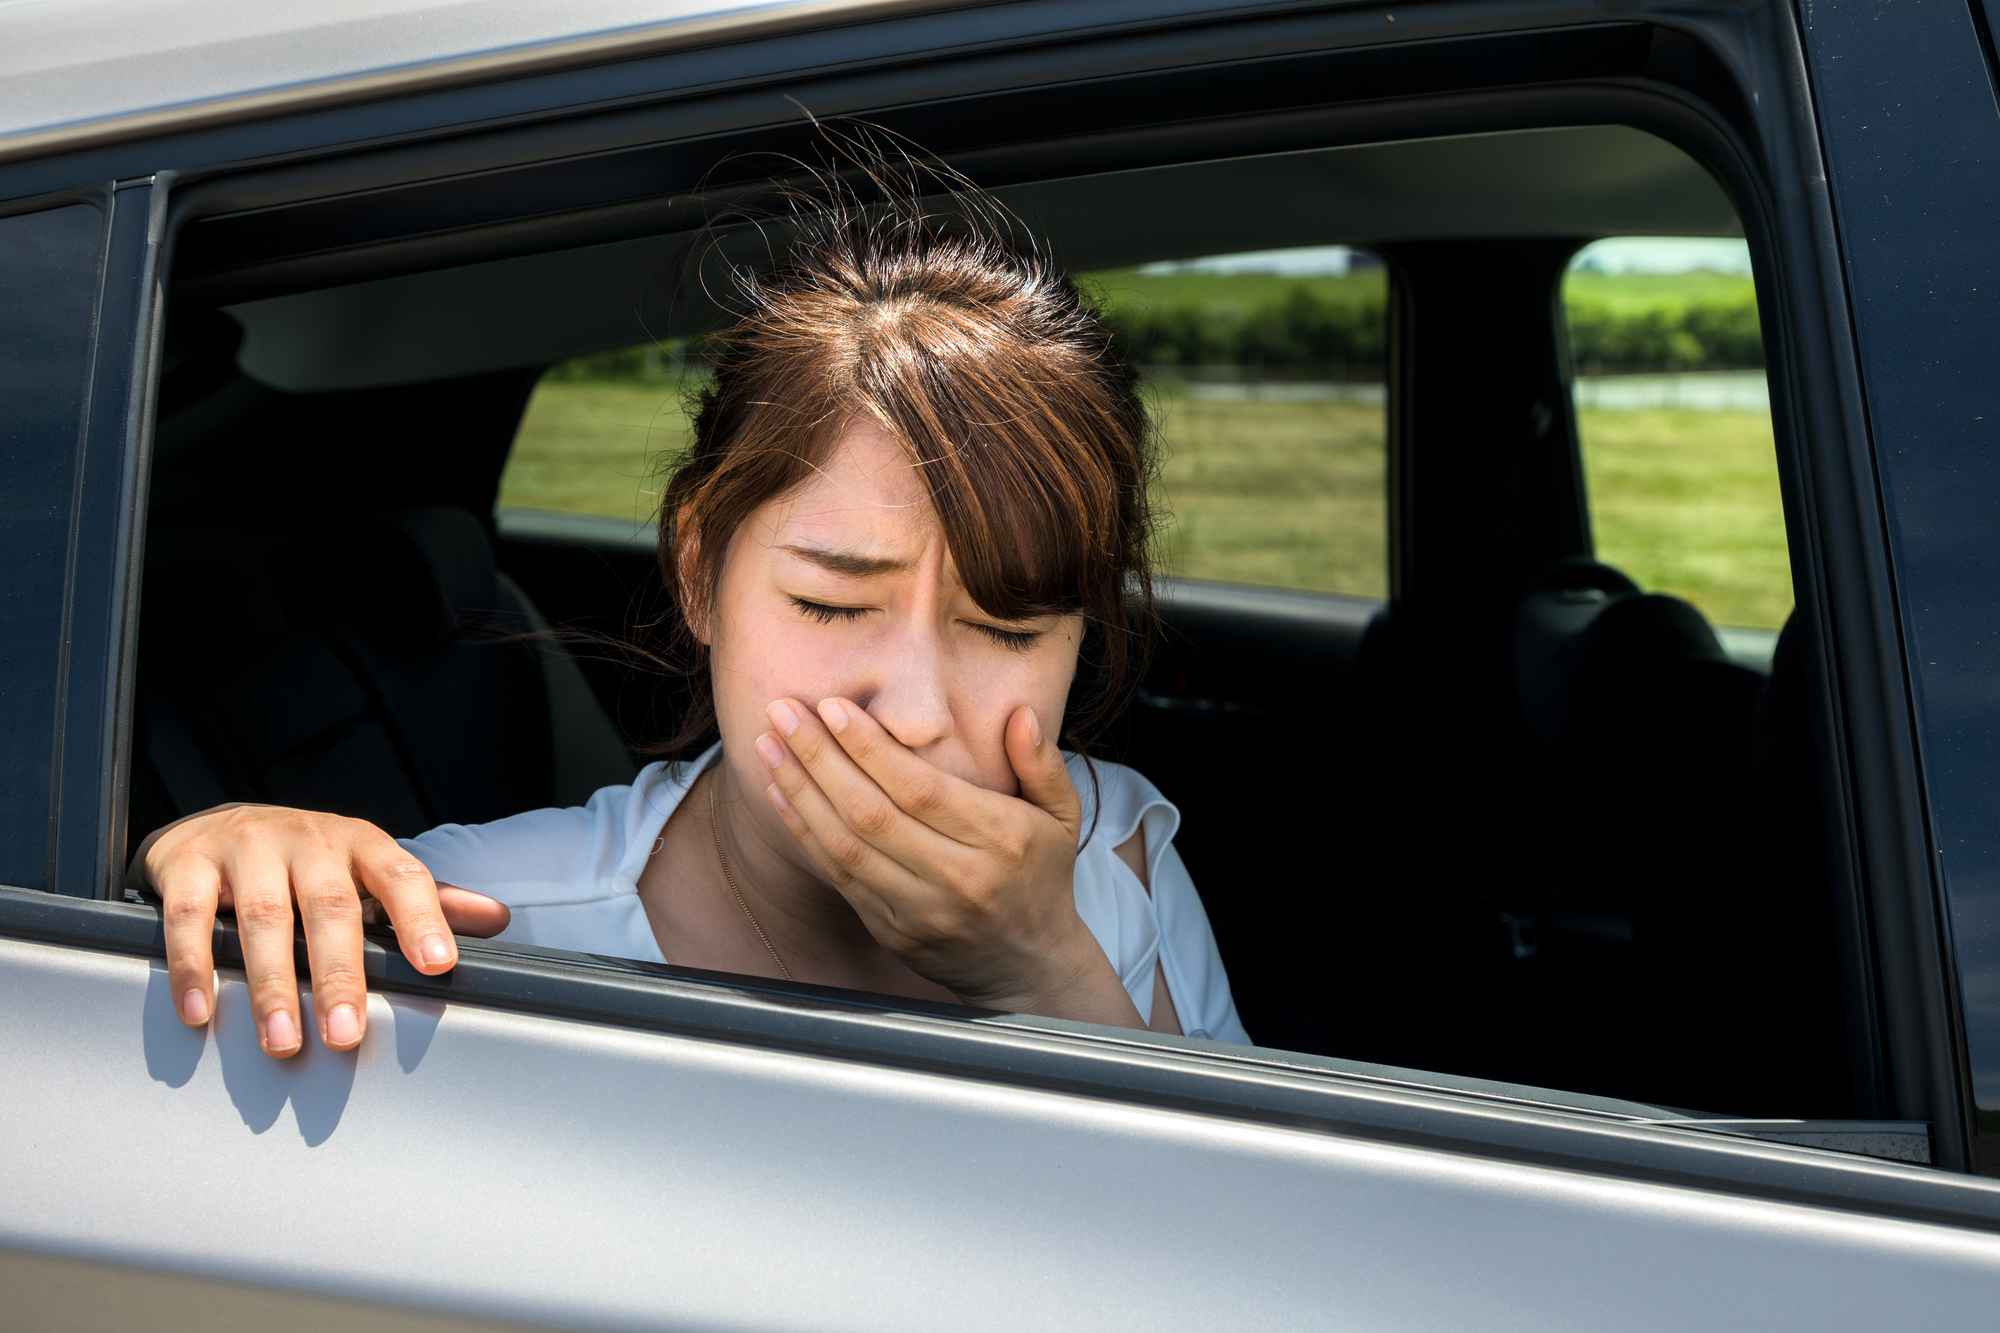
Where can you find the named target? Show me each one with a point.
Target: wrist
(1072, 979)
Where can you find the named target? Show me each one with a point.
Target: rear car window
(1265, 371)
(596, 429)
(1675, 418)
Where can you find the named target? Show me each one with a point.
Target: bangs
(1010, 441)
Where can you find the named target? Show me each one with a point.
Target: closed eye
(1020, 640)
(827, 615)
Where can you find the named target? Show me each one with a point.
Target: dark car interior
(1525, 821)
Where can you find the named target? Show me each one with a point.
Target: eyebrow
(847, 562)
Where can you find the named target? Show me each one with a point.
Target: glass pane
(596, 429)
(1265, 371)
(1676, 423)
(48, 294)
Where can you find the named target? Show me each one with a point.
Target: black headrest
(416, 575)
(1583, 635)
(1552, 614)
(1636, 634)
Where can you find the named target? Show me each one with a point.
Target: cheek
(989, 690)
(761, 657)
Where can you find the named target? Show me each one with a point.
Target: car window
(1265, 374)
(1477, 831)
(48, 294)
(593, 434)
(1675, 419)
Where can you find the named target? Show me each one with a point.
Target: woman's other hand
(971, 888)
(260, 860)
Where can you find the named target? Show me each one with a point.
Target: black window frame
(1669, 75)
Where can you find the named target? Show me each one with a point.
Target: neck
(813, 929)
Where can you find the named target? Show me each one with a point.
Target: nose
(912, 700)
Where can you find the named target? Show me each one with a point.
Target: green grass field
(1632, 293)
(1289, 493)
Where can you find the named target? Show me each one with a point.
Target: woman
(916, 491)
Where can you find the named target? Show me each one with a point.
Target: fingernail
(280, 1032)
(834, 714)
(1034, 728)
(436, 950)
(777, 798)
(783, 718)
(194, 1007)
(770, 750)
(343, 1026)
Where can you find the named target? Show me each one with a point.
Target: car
(1607, 968)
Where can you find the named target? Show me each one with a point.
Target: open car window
(1491, 766)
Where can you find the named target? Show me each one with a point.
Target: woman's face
(844, 588)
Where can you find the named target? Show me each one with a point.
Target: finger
(471, 913)
(189, 890)
(1039, 766)
(810, 754)
(950, 805)
(848, 861)
(330, 904)
(841, 801)
(262, 890)
(892, 917)
(406, 889)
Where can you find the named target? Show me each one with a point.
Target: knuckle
(335, 898)
(185, 909)
(264, 909)
(1012, 847)
(405, 870)
(835, 873)
(926, 798)
(847, 851)
(272, 991)
(338, 977)
(940, 926)
(872, 819)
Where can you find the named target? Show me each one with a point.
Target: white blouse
(571, 879)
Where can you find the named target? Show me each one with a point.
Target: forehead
(865, 496)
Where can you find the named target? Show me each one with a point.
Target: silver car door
(612, 1146)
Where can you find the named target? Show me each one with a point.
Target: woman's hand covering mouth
(971, 888)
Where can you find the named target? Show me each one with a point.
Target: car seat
(380, 667)
(1686, 775)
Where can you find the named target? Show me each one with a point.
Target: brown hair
(987, 366)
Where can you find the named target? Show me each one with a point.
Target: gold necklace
(715, 827)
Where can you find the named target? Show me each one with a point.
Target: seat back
(364, 669)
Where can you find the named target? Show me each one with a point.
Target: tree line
(1307, 330)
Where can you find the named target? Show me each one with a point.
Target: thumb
(1044, 777)
(472, 914)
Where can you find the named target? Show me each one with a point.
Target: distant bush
(1708, 335)
(1325, 328)
(1303, 327)
(1300, 328)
